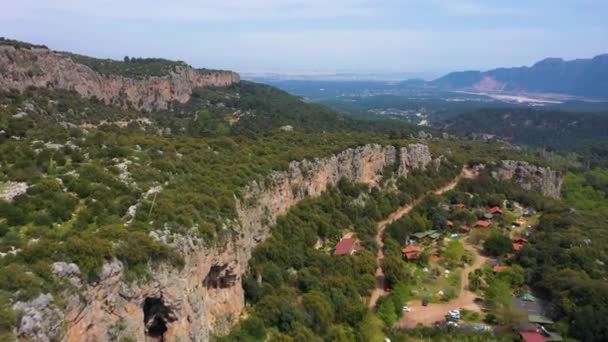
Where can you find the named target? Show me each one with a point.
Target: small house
(431, 234)
(539, 319)
(450, 224)
(528, 297)
(518, 243)
(483, 224)
(499, 268)
(532, 336)
(411, 253)
(494, 211)
(519, 239)
(464, 228)
(347, 247)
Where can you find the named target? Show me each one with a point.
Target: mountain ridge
(578, 77)
(144, 84)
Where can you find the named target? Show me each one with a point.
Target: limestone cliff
(413, 157)
(546, 181)
(22, 68)
(205, 296)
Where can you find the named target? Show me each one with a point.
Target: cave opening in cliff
(220, 276)
(156, 318)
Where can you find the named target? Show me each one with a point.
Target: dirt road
(394, 216)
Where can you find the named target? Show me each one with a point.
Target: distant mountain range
(580, 77)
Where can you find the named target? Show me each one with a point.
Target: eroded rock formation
(546, 181)
(22, 68)
(206, 295)
(413, 157)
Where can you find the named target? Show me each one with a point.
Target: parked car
(454, 312)
(453, 315)
(425, 302)
(406, 309)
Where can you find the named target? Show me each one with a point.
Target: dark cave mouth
(157, 317)
(220, 277)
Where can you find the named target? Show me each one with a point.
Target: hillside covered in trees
(94, 192)
(542, 128)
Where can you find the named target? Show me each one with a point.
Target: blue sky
(419, 36)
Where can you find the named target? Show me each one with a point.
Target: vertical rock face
(413, 157)
(22, 68)
(205, 296)
(546, 181)
(310, 178)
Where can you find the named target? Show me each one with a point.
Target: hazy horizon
(423, 38)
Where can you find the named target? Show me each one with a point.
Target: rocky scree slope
(204, 297)
(21, 68)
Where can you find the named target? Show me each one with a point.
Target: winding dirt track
(394, 216)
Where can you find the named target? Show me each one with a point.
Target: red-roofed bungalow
(494, 211)
(517, 246)
(465, 229)
(532, 336)
(347, 247)
(412, 252)
(483, 224)
(519, 239)
(498, 268)
(450, 223)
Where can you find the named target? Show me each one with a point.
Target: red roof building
(450, 223)
(412, 252)
(483, 224)
(494, 211)
(517, 246)
(519, 239)
(465, 229)
(498, 268)
(532, 336)
(346, 247)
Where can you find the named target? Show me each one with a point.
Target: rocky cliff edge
(544, 180)
(42, 68)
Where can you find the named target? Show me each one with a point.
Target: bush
(497, 244)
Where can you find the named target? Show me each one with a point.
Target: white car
(406, 309)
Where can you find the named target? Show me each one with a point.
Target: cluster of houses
(490, 214)
(413, 250)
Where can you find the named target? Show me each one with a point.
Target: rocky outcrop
(544, 180)
(40, 319)
(10, 190)
(22, 68)
(206, 295)
(413, 157)
(262, 203)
